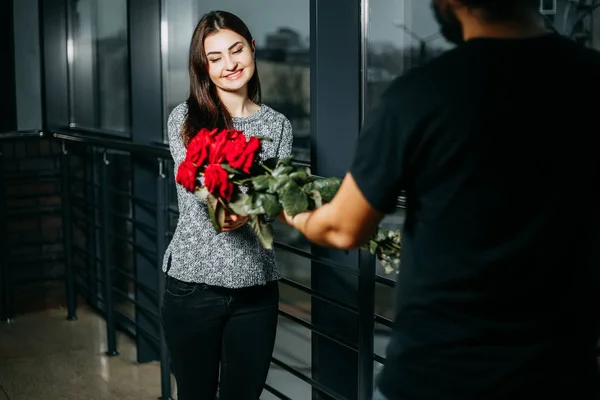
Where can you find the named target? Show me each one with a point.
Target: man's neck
(528, 26)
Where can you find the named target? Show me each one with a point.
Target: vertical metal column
(90, 162)
(366, 263)
(161, 232)
(68, 234)
(336, 98)
(109, 306)
(366, 325)
(6, 312)
(147, 123)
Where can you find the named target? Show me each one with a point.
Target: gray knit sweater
(230, 259)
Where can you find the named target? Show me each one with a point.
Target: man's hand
(347, 222)
(233, 222)
(286, 218)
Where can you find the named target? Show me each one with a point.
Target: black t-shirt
(494, 143)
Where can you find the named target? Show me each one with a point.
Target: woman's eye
(214, 60)
(238, 51)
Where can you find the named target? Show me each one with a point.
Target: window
(283, 55)
(400, 35)
(98, 55)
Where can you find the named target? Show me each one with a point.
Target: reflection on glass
(377, 368)
(578, 20)
(393, 221)
(99, 65)
(282, 54)
(402, 34)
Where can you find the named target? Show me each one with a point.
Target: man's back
(498, 290)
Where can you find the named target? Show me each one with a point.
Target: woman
(221, 293)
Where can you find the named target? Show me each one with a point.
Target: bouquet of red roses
(223, 167)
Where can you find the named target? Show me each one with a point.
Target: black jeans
(206, 327)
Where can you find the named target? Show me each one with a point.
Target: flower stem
(269, 170)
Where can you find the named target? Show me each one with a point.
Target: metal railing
(100, 249)
(24, 203)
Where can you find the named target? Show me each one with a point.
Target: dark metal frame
(8, 110)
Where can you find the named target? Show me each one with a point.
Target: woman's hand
(233, 222)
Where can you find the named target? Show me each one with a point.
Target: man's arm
(370, 188)
(347, 222)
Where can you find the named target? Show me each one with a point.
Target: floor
(45, 357)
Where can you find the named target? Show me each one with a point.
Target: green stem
(242, 181)
(269, 170)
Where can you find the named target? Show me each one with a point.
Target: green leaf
(283, 170)
(241, 204)
(328, 187)
(264, 138)
(267, 202)
(300, 176)
(212, 204)
(285, 161)
(264, 232)
(309, 187)
(277, 182)
(260, 183)
(221, 212)
(255, 209)
(234, 171)
(372, 247)
(316, 196)
(292, 198)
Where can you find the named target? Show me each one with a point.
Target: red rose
(186, 175)
(235, 148)
(197, 149)
(216, 180)
(216, 153)
(244, 160)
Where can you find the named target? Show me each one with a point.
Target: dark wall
(8, 108)
(32, 247)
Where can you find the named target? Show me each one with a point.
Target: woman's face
(230, 60)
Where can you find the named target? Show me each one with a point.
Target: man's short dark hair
(501, 9)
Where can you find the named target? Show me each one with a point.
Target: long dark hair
(204, 106)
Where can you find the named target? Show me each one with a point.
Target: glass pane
(393, 221)
(99, 65)
(402, 34)
(282, 54)
(577, 20)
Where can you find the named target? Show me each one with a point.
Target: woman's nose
(230, 64)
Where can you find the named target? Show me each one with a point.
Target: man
(494, 144)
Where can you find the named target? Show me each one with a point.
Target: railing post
(161, 234)
(366, 325)
(109, 306)
(68, 234)
(93, 237)
(6, 312)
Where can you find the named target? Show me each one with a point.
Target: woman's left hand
(233, 222)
